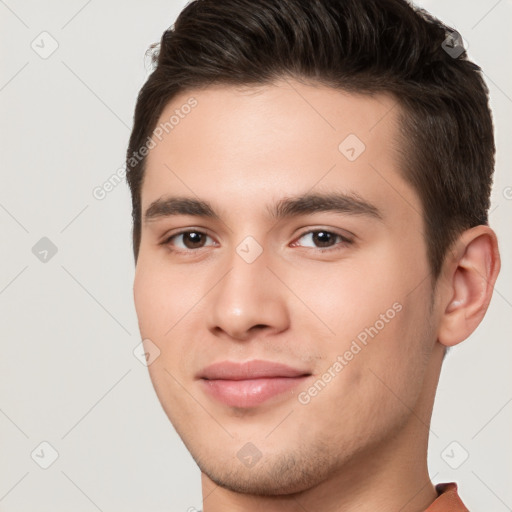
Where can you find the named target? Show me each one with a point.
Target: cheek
(347, 297)
(167, 302)
(394, 360)
(146, 295)
(158, 298)
(160, 304)
(380, 380)
(378, 320)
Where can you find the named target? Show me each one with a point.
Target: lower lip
(250, 392)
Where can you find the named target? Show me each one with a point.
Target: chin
(274, 475)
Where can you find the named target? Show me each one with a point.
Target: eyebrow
(287, 207)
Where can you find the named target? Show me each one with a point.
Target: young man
(310, 185)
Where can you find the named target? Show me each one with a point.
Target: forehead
(243, 143)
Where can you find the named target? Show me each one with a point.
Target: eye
(320, 239)
(324, 240)
(190, 240)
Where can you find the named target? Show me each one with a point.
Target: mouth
(249, 384)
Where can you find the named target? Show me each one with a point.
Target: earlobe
(471, 274)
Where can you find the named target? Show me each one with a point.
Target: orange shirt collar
(448, 499)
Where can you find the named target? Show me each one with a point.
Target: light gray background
(68, 326)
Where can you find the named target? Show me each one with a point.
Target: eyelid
(166, 239)
(343, 233)
(346, 239)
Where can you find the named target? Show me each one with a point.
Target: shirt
(448, 499)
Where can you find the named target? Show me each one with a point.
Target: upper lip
(254, 369)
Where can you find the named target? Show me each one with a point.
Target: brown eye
(323, 239)
(187, 240)
(193, 239)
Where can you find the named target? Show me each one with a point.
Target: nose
(247, 300)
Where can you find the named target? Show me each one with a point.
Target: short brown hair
(363, 46)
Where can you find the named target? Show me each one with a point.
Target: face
(306, 249)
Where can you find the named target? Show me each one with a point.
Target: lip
(250, 383)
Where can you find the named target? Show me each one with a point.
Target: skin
(361, 442)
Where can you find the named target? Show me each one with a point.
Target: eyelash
(344, 241)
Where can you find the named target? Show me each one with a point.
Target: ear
(469, 274)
